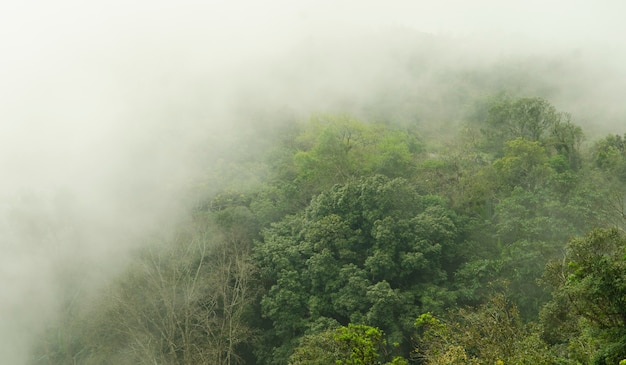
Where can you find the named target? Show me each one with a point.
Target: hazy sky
(45, 24)
(101, 103)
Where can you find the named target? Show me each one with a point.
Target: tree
(532, 119)
(191, 303)
(609, 154)
(316, 349)
(609, 157)
(524, 164)
(360, 342)
(346, 345)
(182, 301)
(371, 251)
(566, 138)
(332, 149)
(493, 333)
(589, 284)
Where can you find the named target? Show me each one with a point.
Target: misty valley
(343, 183)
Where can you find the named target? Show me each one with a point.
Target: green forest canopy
(365, 243)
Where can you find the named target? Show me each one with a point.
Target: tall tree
(370, 251)
(492, 333)
(590, 284)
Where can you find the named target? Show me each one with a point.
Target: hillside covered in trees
(365, 241)
(312, 182)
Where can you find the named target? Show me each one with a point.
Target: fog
(111, 112)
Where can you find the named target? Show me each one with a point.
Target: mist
(111, 113)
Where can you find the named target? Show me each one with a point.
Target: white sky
(573, 20)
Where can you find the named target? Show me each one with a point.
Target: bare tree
(183, 303)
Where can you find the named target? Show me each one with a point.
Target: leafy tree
(532, 119)
(609, 158)
(346, 345)
(332, 149)
(370, 251)
(609, 154)
(590, 287)
(537, 202)
(524, 164)
(493, 333)
(360, 342)
(566, 139)
(316, 349)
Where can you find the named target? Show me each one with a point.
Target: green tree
(609, 154)
(609, 158)
(566, 139)
(532, 119)
(370, 251)
(346, 345)
(332, 149)
(492, 333)
(590, 288)
(361, 343)
(524, 164)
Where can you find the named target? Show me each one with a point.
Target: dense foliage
(369, 251)
(365, 243)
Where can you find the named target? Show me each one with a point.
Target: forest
(351, 240)
(396, 198)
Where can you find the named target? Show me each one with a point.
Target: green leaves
(346, 345)
(361, 342)
(362, 252)
(492, 333)
(610, 155)
(599, 276)
(524, 164)
(590, 290)
(531, 119)
(332, 149)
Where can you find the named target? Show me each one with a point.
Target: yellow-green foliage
(491, 334)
